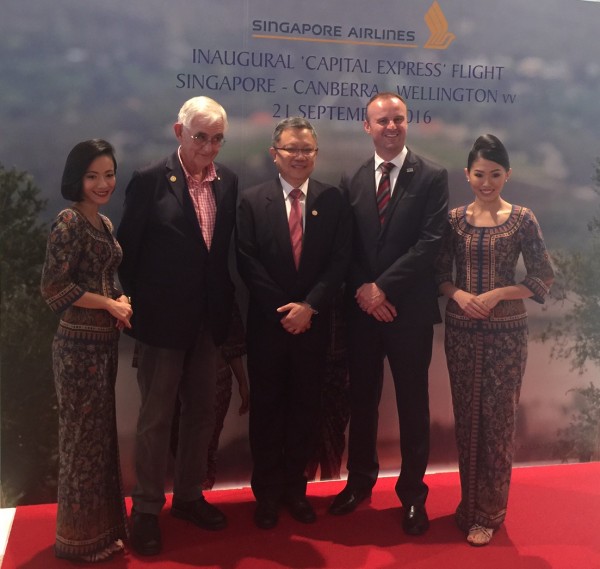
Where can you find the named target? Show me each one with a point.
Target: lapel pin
(314, 212)
(410, 169)
(173, 178)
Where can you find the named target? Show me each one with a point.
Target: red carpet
(553, 523)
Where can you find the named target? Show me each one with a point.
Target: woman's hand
(121, 310)
(491, 298)
(473, 306)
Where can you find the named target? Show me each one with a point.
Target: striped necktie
(295, 221)
(383, 190)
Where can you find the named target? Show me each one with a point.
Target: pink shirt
(203, 199)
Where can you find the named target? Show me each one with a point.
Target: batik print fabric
(234, 347)
(91, 511)
(486, 358)
(330, 439)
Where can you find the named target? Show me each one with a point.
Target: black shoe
(145, 533)
(415, 520)
(266, 514)
(348, 499)
(200, 513)
(301, 510)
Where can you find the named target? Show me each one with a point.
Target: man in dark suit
(293, 242)
(399, 203)
(175, 233)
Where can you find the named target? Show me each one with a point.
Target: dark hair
(78, 161)
(489, 147)
(298, 123)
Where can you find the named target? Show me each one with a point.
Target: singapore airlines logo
(440, 37)
(388, 36)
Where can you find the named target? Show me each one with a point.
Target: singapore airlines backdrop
(525, 70)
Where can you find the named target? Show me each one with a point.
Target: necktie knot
(386, 167)
(296, 194)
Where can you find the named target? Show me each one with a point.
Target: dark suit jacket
(399, 255)
(264, 249)
(176, 284)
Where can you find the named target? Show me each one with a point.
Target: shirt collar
(211, 171)
(398, 160)
(287, 188)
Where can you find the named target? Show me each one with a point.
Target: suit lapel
(176, 179)
(276, 216)
(364, 203)
(403, 181)
(178, 187)
(217, 188)
(311, 221)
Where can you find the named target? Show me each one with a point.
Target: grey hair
(205, 106)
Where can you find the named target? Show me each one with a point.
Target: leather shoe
(348, 499)
(266, 514)
(200, 513)
(415, 520)
(145, 533)
(301, 510)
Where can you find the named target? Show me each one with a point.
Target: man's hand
(373, 301)
(298, 317)
(385, 312)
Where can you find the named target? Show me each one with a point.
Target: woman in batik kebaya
(486, 331)
(78, 284)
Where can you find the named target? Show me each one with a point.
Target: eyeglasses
(202, 139)
(306, 152)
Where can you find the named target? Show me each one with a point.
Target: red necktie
(383, 190)
(295, 221)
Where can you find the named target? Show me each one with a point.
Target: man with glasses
(175, 233)
(293, 245)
